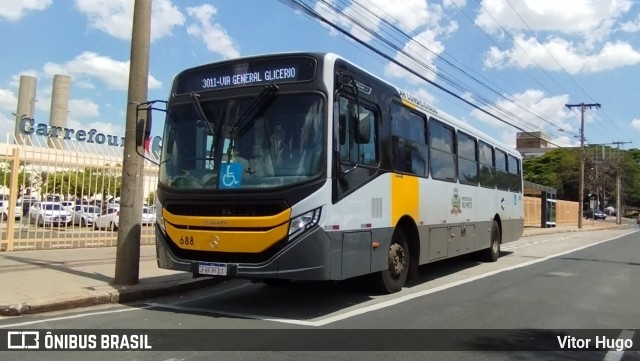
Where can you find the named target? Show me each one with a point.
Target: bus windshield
(281, 143)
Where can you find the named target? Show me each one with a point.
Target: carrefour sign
(28, 126)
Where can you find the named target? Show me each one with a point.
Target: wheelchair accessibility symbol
(230, 175)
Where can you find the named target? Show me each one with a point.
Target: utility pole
(129, 232)
(618, 185)
(582, 106)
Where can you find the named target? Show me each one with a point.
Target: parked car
(6, 210)
(148, 216)
(84, 214)
(49, 214)
(595, 214)
(108, 219)
(68, 205)
(26, 202)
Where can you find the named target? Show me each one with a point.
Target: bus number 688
(186, 240)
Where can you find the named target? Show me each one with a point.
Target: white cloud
(8, 101)
(14, 10)
(115, 17)
(213, 35)
(105, 127)
(363, 18)
(558, 52)
(631, 26)
(576, 32)
(89, 65)
(635, 124)
(576, 17)
(456, 3)
(536, 108)
(8, 105)
(422, 51)
(426, 96)
(83, 108)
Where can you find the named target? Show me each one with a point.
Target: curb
(123, 295)
(561, 230)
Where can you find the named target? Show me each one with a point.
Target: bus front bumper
(306, 258)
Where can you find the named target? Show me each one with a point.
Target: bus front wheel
(392, 279)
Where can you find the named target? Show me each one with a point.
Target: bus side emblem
(215, 242)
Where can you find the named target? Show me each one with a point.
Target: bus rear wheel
(393, 279)
(492, 253)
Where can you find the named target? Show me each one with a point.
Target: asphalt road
(541, 288)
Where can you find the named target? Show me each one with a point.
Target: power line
(562, 68)
(474, 78)
(307, 9)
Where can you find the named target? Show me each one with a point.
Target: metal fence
(87, 175)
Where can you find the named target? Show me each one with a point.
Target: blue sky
(530, 57)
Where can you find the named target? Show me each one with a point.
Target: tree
(25, 178)
(559, 169)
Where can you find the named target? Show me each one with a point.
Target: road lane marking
(63, 318)
(229, 313)
(615, 355)
(513, 245)
(322, 321)
(384, 304)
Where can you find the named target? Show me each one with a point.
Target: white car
(148, 216)
(6, 210)
(68, 205)
(108, 219)
(49, 214)
(84, 214)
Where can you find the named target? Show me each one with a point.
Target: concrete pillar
(26, 106)
(59, 109)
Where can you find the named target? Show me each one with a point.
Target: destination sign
(246, 73)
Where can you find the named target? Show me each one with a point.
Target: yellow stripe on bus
(228, 222)
(226, 241)
(409, 104)
(405, 197)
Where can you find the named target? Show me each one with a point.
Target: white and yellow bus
(303, 166)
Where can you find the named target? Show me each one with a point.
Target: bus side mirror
(143, 126)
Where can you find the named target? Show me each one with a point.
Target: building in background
(532, 144)
(59, 109)
(26, 106)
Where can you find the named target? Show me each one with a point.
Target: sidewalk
(51, 280)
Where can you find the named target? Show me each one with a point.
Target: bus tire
(492, 253)
(394, 277)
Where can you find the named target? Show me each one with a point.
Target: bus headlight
(303, 222)
(159, 217)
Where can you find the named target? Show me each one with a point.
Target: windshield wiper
(203, 118)
(256, 106)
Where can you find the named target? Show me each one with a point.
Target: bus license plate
(212, 269)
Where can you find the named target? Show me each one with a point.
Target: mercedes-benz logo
(214, 242)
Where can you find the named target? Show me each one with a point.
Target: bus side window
(442, 152)
(408, 141)
(357, 133)
(501, 170)
(487, 173)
